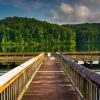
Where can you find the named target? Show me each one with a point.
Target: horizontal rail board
(18, 53)
(32, 53)
(15, 58)
(82, 53)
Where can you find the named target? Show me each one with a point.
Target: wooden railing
(82, 53)
(86, 83)
(19, 53)
(14, 83)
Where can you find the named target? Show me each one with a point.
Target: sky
(53, 11)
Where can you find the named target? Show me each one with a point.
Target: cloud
(60, 11)
(66, 9)
(95, 18)
(82, 12)
(79, 12)
(90, 3)
(23, 4)
(73, 14)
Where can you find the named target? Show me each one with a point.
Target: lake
(5, 67)
(50, 48)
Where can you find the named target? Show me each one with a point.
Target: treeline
(87, 36)
(18, 30)
(29, 31)
(86, 33)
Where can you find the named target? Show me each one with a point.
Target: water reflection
(7, 66)
(50, 47)
(38, 48)
(88, 47)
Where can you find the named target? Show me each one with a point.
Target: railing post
(98, 94)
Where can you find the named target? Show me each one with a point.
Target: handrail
(31, 53)
(18, 53)
(82, 53)
(86, 82)
(18, 78)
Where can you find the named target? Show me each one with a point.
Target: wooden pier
(50, 78)
(50, 83)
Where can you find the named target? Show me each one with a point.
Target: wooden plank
(15, 58)
(82, 53)
(50, 84)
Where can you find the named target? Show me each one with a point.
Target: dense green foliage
(87, 36)
(43, 36)
(86, 33)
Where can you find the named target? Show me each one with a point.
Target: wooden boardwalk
(50, 84)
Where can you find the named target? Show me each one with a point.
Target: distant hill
(19, 30)
(23, 31)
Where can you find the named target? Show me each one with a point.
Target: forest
(29, 34)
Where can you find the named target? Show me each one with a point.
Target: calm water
(2, 71)
(50, 48)
(93, 67)
(5, 67)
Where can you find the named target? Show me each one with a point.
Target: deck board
(50, 84)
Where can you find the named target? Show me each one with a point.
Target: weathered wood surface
(18, 53)
(50, 84)
(84, 57)
(24, 56)
(15, 58)
(82, 53)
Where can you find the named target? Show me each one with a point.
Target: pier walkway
(50, 83)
